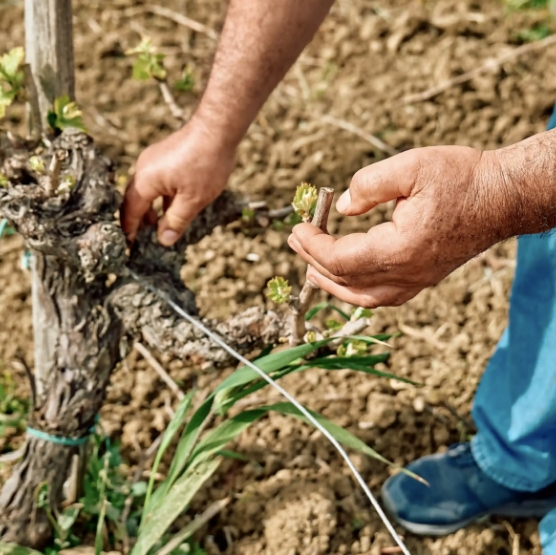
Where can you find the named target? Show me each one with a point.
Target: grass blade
(197, 523)
(14, 549)
(218, 438)
(176, 500)
(311, 313)
(189, 437)
(270, 363)
(347, 439)
(169, 434)
(99, 539)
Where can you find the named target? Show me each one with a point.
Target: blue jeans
(515, 405)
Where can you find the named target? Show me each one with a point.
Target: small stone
(419, 404)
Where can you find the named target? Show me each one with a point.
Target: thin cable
(282, 391)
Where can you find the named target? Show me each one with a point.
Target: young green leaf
(6, 99)
(10, 64)
(67, 518)
(11, 77)
(305, 201)
(360, 312)
(64, 114)
(333, 324)
(278, 290)
(175, 502)
(186, 83)
(352, 348)
(37, 165)
(3, 180)
(149, 63)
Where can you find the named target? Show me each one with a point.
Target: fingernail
(343, 202)
(310, 277)
(169, 237)
(292, 242)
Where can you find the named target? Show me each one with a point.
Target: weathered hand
(189, 169)
(452, 204)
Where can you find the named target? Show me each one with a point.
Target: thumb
(379, 183)
(176, 219)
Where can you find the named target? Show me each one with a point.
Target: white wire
(288, 396)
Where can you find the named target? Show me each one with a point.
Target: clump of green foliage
(13, 409)
(526, 4)
(11, 78)
(149, 64)
(64, 114)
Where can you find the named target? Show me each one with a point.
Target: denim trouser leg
(547, 529)
(515, 405)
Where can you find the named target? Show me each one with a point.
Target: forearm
(528, 173)
(259, 43)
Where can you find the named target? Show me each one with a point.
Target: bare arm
(260, 41)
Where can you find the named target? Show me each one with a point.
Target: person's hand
(189, 169)
(452, 204)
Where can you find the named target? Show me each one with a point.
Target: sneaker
(459, 493)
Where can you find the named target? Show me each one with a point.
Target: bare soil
(296, 497)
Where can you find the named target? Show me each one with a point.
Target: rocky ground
(297, 497)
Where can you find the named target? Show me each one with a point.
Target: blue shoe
(459, 494)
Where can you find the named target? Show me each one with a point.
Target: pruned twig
(194, 525)
(168, 97)
(346, 126)
(301, 305)
(180, 19)
(490, 65)
(157, 367)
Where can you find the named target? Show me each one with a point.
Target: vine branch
(301, 305)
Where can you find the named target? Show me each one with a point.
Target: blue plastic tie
(3, 225)
(60, 440)
(26, 260)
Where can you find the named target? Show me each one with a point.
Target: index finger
(334, 258)
(134, 207)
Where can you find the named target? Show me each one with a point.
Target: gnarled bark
(67, 217)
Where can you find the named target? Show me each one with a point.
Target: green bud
(37, 165)
(279, 290)
(305, 201)
(67, 183)
(310, 337)
(352, 349)
(360, 313)
(333, 324)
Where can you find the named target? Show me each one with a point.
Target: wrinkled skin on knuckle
(337, 268)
